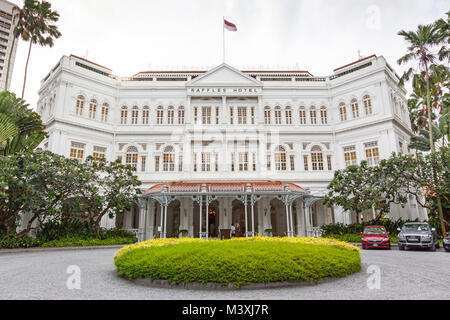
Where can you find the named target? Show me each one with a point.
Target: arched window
(355, 108)
(93, 109)
(288, 115)
(169, 159)
(145, 114)
(105, 112)
(181, 115)
(343, 111)
(80, 105)
(160, 115)
(124, 115)
(134, 115)
(317, 158)
(324, 115)
(302, 114)
(170, 115)
(277, 115)
(313, 114)
(132, 157)
(367, 105)
(280, 159)
(267, 115)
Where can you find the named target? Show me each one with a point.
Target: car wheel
(400, 247)
(438, 245)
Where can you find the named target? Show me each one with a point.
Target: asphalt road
(43, 275)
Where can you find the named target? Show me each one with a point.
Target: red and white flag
(229, 26)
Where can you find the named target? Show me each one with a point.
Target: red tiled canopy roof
(269, 186)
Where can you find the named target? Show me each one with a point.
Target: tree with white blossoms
(51, 187)
(112, 190)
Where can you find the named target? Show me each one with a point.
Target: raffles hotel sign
(224, 91)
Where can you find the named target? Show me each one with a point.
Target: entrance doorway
(213, 219)
(238, 218)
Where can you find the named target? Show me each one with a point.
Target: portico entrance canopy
(247, 192)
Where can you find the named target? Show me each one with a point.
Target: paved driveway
(42, 275)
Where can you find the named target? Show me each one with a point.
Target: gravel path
(43, 275)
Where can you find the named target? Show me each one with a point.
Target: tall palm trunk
(26, 69)
(9, 63)
(433, 150)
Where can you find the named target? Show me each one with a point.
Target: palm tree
(422, 141)
(443, 30)
(20, 28)
(39, 24)
(439, 99)
(420, 44)
(21, 129)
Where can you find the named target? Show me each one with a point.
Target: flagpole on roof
(223, 27)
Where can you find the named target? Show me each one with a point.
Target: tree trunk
(9, 63)
(28, 229)
(26, 70)
(433, 150)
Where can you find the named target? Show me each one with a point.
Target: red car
(376, 237)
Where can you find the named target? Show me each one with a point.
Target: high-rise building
(6, 41)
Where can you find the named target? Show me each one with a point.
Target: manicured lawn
(238, 261)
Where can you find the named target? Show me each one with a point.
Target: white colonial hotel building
(253, 149)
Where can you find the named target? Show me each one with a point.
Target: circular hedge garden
(238, 261)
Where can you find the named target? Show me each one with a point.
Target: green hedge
(10, 242)
(354, 237)
(237, 262)
(77, 242)
(27, 242)
(341, 229)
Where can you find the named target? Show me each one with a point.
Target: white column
(142, 222)
(161, 234)
(151, 208)
(224, 113)
(288, 223)
(246, 223)
(165, 221)
(291, 221)
(253, 216)
(200, 214)
(207, 218)
(300, 218)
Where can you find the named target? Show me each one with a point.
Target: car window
(375, 230)
(416, 227)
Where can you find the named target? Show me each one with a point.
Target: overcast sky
(129, 36)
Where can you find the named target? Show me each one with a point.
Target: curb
(163, 284)
(28, 250)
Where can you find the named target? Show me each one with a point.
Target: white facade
(6, 41)
(226, 125)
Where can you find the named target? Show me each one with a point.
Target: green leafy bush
(354, 237)
(77, 242)
(76, 228)
(341, 229)
(237, 262)
(9, 242)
